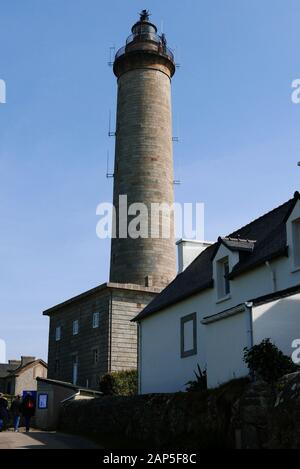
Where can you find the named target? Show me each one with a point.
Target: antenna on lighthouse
(110, 132)
(112, 53)
(176, 52)
(176, 138)
(109, 174)
(177, 182)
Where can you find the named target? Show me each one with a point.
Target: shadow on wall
(279, 321)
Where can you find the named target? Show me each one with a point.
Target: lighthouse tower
(143, 170)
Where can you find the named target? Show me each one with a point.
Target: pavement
(37, 439)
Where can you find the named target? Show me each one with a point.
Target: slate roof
(238, 244)
(20, 368)
(65, 384)
(6, 369)
(267, 237)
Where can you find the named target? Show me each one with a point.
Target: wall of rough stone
(181, 420)
(237, 415)
(115, 338)
(82, 344)
(126, 304)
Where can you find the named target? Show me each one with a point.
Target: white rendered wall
(161, 367)
(225, 341)
(278, 320)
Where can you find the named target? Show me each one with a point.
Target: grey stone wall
(115, 338)
(126, 304)
(82, 344)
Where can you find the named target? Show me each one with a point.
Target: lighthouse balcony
(145, 42)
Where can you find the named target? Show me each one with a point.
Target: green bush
(267, 362)
(119, 383)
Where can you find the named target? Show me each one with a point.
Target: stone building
(92, 333)
(17, 376)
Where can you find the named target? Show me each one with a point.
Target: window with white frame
(75, 327)
(188, 335)
(223, 283)
(296, 241)
(96, 320)
(58, 333)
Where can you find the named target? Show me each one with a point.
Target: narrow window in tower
(57, 366)
(96, 320)
(95, 356)
(74, 368)
(75, 327)
(58, 333)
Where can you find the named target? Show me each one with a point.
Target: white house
(238, 291)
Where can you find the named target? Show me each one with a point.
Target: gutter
(249, 324)
(139, 361)
(224, 314)
(110, 332)
(70, 397)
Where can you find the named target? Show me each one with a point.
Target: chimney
(14, 363)
(188, 250)
(26, 360)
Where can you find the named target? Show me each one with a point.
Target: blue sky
(238, 129)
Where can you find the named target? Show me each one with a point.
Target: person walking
(28, 409)
(3, 411)
(15, 410)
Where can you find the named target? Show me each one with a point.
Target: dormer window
(296, 241)
(223, 280)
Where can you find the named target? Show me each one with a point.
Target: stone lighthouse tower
(143, 157)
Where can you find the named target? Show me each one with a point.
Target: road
(37, 439)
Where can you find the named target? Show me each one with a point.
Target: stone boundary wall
(181, 420)
(237, 415)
